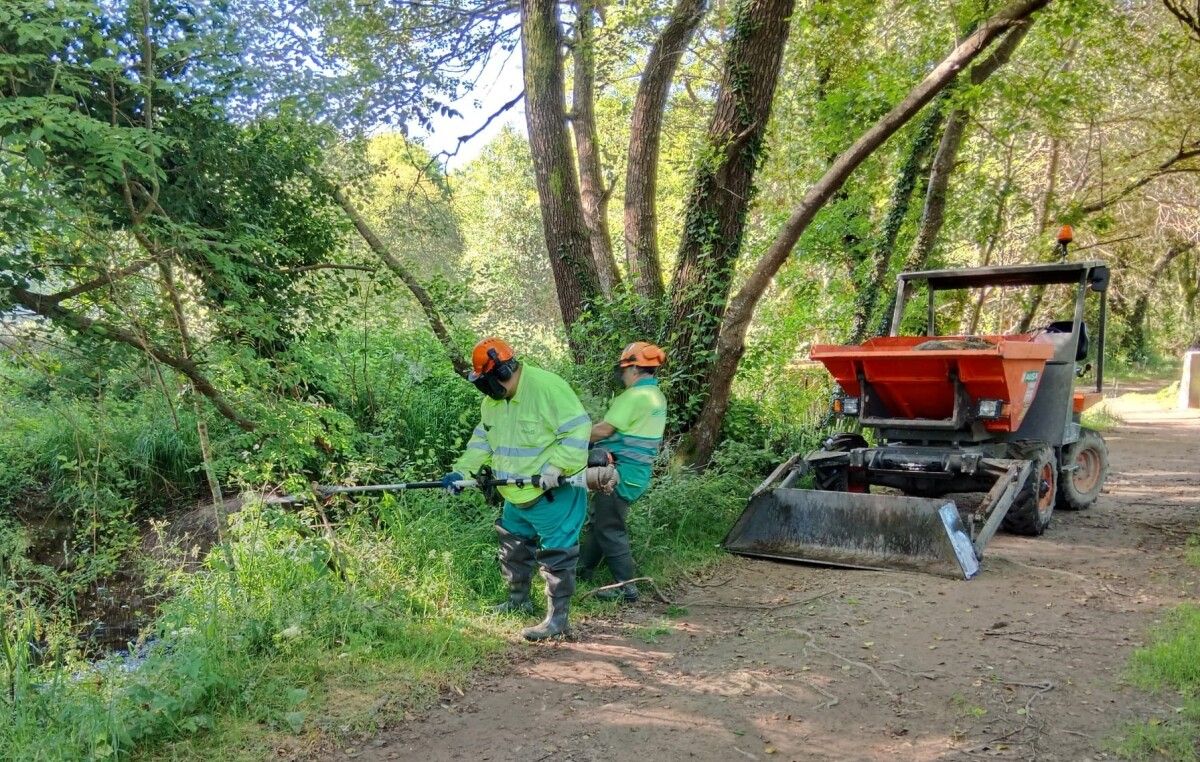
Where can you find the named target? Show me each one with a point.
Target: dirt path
(775, 661)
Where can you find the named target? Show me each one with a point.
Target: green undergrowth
(1100, 418)
(303, 627)
(1170, 666)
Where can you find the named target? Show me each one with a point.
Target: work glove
(551, 477)
(448, 482)
(602, 479)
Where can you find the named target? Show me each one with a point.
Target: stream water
(111, 611)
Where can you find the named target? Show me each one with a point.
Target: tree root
(1039, 689)
(846, 660)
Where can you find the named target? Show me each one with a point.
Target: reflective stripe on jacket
(544, 423)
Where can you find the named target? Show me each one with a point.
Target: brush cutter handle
(595, 479)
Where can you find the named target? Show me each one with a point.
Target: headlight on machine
(845, 405)
(990, 408)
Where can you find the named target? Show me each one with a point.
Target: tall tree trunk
(902, 193)
(594, 195)
(575, 278)
(1035, 298)
(732, 341)
(641, 176)
(432, 314)
(721, 193)
(933, 214)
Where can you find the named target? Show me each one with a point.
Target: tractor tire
(1034, 505)
(1079, 487)
(835, 479)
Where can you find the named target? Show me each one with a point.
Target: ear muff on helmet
(502, 369)
(490, 382)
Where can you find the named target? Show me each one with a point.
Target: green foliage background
(212, 162)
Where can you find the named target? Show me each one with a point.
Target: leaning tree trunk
(645, 133)
(185, 346)
(47, 305)
(594, 196)
(432, 314)
(731, 344)
(574, 269)
(721, 193)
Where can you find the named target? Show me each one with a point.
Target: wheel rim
(1087, 470)
(1045, 485)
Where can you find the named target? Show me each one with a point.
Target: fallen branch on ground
(648, 580)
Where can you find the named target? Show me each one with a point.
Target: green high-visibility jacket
(639, 417)
(544, 423)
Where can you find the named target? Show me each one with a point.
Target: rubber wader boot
(613, 538)
(622, 568)
(558, 569)
(516, 564)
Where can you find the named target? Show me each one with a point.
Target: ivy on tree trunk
(720, 196)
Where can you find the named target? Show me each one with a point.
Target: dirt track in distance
(787, 662)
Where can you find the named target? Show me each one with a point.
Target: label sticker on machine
(1031, 377)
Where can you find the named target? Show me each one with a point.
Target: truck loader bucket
(856, 530)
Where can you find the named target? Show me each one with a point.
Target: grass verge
(1171, 665)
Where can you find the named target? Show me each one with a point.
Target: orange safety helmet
(488, 355)
(642, 354)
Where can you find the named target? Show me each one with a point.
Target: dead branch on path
(648, 580)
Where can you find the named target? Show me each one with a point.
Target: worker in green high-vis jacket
(530, 422)
(632, 430)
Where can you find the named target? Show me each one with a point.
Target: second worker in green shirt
(632, 430)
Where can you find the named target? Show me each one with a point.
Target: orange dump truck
(996, 415)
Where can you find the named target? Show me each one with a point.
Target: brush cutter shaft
(595, 479)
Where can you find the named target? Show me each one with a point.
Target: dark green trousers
(606, 538)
